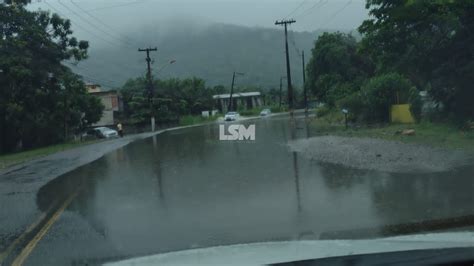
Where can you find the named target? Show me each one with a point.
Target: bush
(250, 112)
(355, 105)
(322, 111)
(380, 92)
(278, 109)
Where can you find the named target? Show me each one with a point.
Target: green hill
(211, 52)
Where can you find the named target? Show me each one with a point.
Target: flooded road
(186, 189)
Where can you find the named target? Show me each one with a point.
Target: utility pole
(149, 84)
(304, 84)
(288, 70)
(230, 105)
(281, 86)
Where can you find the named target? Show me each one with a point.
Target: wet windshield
(143, 127)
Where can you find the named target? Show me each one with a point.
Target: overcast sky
(125, 15)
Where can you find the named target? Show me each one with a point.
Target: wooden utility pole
(281, 86)
(304, 84)
(230, 105)
(149, 84)
(288, 70)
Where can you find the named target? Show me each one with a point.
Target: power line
(90, 32)
(334, 15)
(293, 42)
(315, 6)
(95, 79)
(99, 20)
(79, 25)
(115, 6)
(296, 9)
(92, 24)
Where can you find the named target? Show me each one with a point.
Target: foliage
(250, 112)
(172, 99)
(446, 135)
(278, 109)
(380, 92)
(11, 159)
(40, 98)
(322, 111)
(335, 68)
(430, 42)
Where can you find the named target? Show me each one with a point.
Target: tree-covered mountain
(211, 52)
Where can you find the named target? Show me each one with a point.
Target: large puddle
(186, 189)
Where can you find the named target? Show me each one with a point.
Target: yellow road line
(28, 230)
(32, 244)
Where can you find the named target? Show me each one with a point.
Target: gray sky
(126, 15)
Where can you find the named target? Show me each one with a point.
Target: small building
(112, 102)
(240, 100)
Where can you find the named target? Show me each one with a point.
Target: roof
(236, 95)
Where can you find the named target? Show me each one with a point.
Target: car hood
(286, 251)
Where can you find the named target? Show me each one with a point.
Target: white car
(265, 112)
(105, 132)
(231, 116)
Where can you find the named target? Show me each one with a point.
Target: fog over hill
(211, 51)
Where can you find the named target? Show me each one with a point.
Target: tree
(172, 99)
(335, 67)
(39, 97)
(381, 92)
(430, 42)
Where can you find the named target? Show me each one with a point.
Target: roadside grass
(256, 111)
(442, 135)
(250, 112)
(188, 120)
(7, 160)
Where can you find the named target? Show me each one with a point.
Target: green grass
(250, 112)
(188, 120)
(11, 159)
(427, 133)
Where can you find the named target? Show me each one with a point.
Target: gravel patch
(380, 155)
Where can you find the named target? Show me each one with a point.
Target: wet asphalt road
(186, 189)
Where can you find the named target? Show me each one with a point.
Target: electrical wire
(100, 21)
(296, 9)
(94, 26)
(316, 5)
(334, 15)
(107, 82)
(79, 25)
(293, 42)
(92, 33)
(115, 6)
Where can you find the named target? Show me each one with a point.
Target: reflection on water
(185, 189)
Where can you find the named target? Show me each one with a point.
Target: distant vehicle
(91, 134)
(265, 112)
(231, 116)
(105, 132)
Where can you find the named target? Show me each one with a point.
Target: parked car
(231, 116)
(105, 132)
(91, 134)
(265, 112)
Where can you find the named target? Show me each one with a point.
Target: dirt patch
(380, 155)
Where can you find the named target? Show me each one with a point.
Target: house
(240, 100)
(112, 102)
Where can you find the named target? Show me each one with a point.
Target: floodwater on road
(187, 189)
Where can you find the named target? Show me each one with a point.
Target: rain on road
(186, 189)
